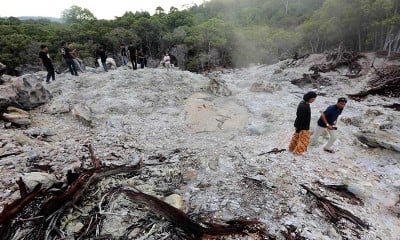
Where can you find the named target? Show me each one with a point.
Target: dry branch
(386, 83)
(193, 229)
(80, 185)
(10, 211)
(274, 151)
(343, 190)
(95, 161)
(338, 59)
(335, 212)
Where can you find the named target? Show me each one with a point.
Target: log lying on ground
(335, 212)
(193, 229)
(386, 83)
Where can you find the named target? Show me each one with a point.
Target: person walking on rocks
(75, 57)
(301, 137)
(45, 60)
(328, 121)
(66, 52)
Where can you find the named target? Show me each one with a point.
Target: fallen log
(193, 229)
(335, 212)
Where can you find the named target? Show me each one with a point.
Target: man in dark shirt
(101, 54)
(301, 137)
(46, 61)
(132, 55)
(66, 52)
(140, 57)
(327, 121)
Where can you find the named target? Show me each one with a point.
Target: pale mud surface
(211, 150)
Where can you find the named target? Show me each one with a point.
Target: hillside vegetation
(228, 33)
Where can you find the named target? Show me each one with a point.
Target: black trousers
(134, 63)
(71, 66)
(50, 73)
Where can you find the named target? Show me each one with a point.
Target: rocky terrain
(207, 152)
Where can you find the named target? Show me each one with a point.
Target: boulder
(381, 139)
(264, 87)
(33, 178)
(83, 113)
(17, 116)
(26, 92)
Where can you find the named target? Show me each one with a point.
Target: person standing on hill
(328, 121)
(132, 55)
(45, 60)
(66, 52)
(301, 137)
(124, 55)
(75, 57)
(101, 53)
(141, 57)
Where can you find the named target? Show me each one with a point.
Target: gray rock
(59, 106)
(27, 92)
(83, 113)
(382, 139)
(264, 87)
(33, 178)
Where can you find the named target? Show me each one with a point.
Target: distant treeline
(227, 33)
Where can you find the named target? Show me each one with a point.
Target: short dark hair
(309, 96)
(43, 46)
(342, 99)
(62, 43)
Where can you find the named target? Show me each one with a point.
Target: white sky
(102, 9)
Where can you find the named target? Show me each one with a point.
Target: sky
(101, 9)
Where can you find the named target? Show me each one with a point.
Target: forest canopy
(227, 33)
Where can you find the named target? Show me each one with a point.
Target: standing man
(301, 137)
(328, 121)
(66, 52)
(167, 61)
(132, 55)
(101, 54)
(75, 57)
(45, 60)
(124, 56)
(141, 58)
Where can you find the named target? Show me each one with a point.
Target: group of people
(326, 122)
(70, 56)
(134, 55)
(131, 53)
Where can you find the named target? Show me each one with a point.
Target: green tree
(77, 14)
